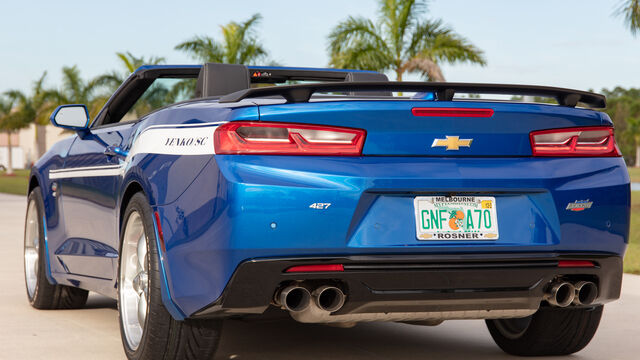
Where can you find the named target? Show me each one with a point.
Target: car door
(91, 178)
(89, 196)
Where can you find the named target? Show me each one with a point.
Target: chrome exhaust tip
(329, 298)
(586, 293)
(561, 294)
(294, 298)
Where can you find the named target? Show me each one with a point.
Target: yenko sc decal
(196, 140)
(190, 139)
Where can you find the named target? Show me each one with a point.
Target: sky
(570, 43)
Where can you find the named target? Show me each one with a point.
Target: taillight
(588, 141)
(269, 138)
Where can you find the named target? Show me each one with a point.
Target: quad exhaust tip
(294, 298)
(586, 293)
(328, 298)
(561, 294)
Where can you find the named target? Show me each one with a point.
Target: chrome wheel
(134, 280)
(31, 248)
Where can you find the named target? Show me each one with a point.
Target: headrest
(221, 79)
(367, 76)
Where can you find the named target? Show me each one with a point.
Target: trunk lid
(393, 129)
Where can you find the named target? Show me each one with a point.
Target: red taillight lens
(268, 138)
(453, 112)
(315, 268)
(589, 141)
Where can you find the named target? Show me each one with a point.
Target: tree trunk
(399, 72)
(41, 140)
(10, 153)
(637, 156)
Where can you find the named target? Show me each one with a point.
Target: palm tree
(401, 41)
(13, 118)
(630, 10)
(623, 107)
(129, 63)
(239, 44)
(39, 105)
(152, 97)
(75, 90)
(6, 105)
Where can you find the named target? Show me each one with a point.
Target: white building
(24, 146)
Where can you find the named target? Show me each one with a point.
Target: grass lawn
(634, 174)
(17, 184)
(632, 258)
(14, 184)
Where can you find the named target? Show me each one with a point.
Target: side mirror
(74, 117)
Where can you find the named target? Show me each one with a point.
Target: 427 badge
(456, 218)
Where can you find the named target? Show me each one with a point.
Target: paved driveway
(92, 333)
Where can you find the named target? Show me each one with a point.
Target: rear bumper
(260, 207)
(469, 283)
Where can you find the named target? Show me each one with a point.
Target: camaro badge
(579, 205)
(452, 142)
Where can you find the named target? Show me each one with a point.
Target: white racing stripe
(184, 139)
(89, 171)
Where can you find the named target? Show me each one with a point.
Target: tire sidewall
(139, 204)
(35, 195)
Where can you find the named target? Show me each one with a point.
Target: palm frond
(364, 56)
(110, 80)
(435, 41)
(427, 67)
(202, 48)
(453, 49)
(630, 11)
(240, 43)
(399, 16)
(359, 35)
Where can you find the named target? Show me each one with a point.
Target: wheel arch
(133, 187)
(33, 183)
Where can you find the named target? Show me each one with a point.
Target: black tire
(550, 331)
(47, 296)
(163, 337)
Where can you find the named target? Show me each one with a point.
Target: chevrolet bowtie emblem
(452, 142)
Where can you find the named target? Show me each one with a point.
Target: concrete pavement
(92, 333)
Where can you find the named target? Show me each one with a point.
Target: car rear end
(413, 210)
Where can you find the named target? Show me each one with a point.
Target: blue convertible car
(334, 196)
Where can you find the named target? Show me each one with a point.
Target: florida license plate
(456, 218)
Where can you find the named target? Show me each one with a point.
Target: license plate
(456, 218)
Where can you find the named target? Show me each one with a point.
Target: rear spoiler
(444, 91)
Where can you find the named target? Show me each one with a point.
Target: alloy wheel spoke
(31, 248)
(134, 280)
(142, 309)
(141, 252)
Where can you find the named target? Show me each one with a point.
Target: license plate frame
(444, 218)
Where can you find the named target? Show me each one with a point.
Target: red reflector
(160, 234)
(315, 268)
(271, 138)
(575, 263)
(453, 112)
(586, 141)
